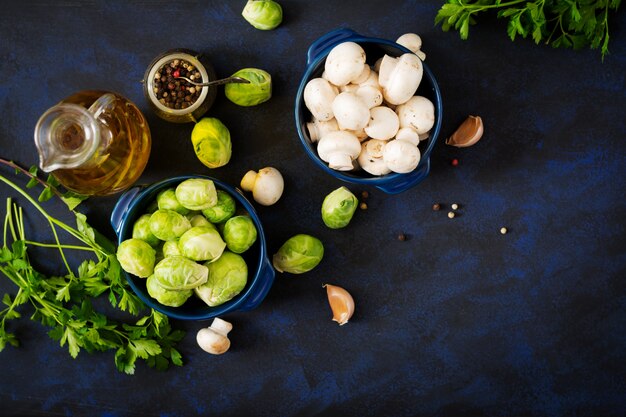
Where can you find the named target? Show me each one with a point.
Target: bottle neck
(66, 136)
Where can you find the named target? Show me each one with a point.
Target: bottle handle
(265, 280)
(407, 181)
(122, 206)
(327, 41)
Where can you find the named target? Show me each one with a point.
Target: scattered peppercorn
(436, 207)
(173, 92)
(451, 214)
(503, 230)
(363, 206)
(454, 162)
(401, 237)
(364, 194)
(454, 206)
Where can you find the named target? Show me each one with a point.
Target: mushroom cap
(404, 80)
(387, 66)
(401, 156)
(344, 63)
(339, 148)
(418, 113)
(350, 111)
(410, 41)
(319, 95)
(268, 187)
(408, 134)
(212, 342)
(383, 123)
(365, 73)
(371, 80)
(370, 164)
(370, 95)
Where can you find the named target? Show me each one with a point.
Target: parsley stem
(28, 174)
(53, 245)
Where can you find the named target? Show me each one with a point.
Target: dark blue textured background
(458, 320)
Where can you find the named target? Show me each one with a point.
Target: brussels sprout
(257, 91)
(338, 208)
(263, 14)
(166, 200)
(170, 248)
(141, 231)
(136, 257)
(227, 277)
(198, 220)
(223, 210)
(299, 254)
(197, 193)
(201, 243)
(166, 297)
(168, 225)
(178, 273)
(211, 142)
(239, 233)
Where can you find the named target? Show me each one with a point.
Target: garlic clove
(341, 303)
(470, 132)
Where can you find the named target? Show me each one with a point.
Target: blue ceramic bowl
(375, 48)
(134, 202)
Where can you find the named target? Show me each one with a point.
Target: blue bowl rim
(229, 306)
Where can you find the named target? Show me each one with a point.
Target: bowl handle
(408, 181)
(121, 207)
(328, 40)
(266, 279)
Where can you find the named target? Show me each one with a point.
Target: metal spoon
(237, 80)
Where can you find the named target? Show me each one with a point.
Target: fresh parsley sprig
(560, 23)
(64, 302)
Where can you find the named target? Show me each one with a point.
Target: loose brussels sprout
(166, 200)
(257, 91)
(168, 225)
(223, 210)
(299, 254)
(141, 231)
(198, 220)
(178, 273)
(263, 14)
(338, 208)
(170, 248)
(201, 243)
(197, 193)
(227, 278)
(136, 257)
(166, 297)
(239, 233)
(211, 142)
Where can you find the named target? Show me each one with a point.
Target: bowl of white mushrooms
(368, 110)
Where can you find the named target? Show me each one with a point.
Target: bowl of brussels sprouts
(192, 247)
(368, 111)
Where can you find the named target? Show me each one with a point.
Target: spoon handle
(228, 80)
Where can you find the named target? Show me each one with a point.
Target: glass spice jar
(176, 100)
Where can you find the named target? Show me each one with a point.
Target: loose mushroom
(214, 339)
(266, 186)
(318, 98)
(344, 63)
(418, 113)
(403, 81)
(350, 111)
(318, 128)
(408, 134)
(383, 123)
(339, 149)
(401, 156)
(412, 42)
(370, 158)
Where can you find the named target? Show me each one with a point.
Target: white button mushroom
(344, 63)
(387, 65)
(350, 112)
(370, 159)
(339, 149)
(370, 95)
(214, 339)
(408, 134)
(318, 98)
(372, 80)
(266, 186)
(318, 128)
(401, 156)
(383, 123)
(402, 83)
(412, 42)
(365, 73)
(418, 113)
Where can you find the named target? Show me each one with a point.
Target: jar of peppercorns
(171, 97)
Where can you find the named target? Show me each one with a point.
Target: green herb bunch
(560, 23)
(64, 302)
